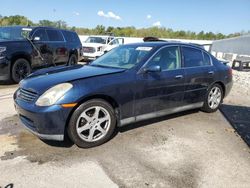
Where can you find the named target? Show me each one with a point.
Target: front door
(159, 92)
(43, 54)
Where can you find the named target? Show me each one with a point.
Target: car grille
(88, 49)
(27, 95)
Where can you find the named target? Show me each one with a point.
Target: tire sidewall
(71, 129)
(206, 106)
(16, 80)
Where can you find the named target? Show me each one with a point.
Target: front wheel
(92, 123)
(213, 98)
(20, 69)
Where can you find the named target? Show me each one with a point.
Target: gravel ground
(191, 149)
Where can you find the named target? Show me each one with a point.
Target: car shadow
(239, 118)
(155, 120)
(67, 143)
(7, 83)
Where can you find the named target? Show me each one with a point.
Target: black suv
(23, 49)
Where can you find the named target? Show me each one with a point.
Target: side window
(192, 57)
(68, 36)
(54, 35)
(207, 60)
(41, 34)
(167, 58)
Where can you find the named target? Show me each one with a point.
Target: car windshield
(101, 40)
(124, 57)
(14, 33)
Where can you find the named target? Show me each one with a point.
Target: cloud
(157, 24)
(76, 13)
(108, 15)
(149, 16)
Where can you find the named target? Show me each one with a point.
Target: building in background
(232, 48)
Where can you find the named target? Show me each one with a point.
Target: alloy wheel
(93, 124)
(214, 97)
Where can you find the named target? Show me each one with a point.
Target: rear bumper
(45, 122)
(4, 69)
(228, 88)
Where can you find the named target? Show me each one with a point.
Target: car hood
(95, 45)
(44, 79)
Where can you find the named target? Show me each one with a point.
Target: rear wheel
(213, 98)
(20, 69)
(92, 123)
(72, 60)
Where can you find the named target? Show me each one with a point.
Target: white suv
(95, 46)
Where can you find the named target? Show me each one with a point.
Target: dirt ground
(191, 149)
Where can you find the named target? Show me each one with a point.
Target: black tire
(76, 120)
(20, 70)
(207, 105)
(72, 60)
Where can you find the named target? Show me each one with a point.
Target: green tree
(100, 30)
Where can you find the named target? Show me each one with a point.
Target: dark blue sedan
(128, 84)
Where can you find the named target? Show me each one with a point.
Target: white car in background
(96, 46)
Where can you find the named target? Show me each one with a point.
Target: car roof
(37, 27)
(160, 44)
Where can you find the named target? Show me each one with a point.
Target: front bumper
(92, 56)
(4, 69)
(45, 122)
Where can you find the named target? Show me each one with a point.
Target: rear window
(54, 35)
(207, 60)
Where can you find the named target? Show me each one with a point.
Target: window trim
(210, 59)
(202, 50)
(48, 41)
(44, 31)
(57, 31)
(153, 55)
(140, 71)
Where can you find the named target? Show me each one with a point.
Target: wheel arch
(20, 56)
(222, 86)
(73, 52)
(104, 97)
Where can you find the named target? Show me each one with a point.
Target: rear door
(57, 45)
(199, 74)
(164, 90)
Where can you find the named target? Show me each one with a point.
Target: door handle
(179, 77)
(211, 72)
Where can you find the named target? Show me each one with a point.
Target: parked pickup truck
(95, 46)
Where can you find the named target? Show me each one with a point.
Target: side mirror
(154, 68)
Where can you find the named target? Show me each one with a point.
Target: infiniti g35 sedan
(130, 83)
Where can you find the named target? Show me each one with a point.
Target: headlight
(52, 95)
(2, 49)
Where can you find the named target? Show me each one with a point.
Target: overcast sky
(225, 16)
